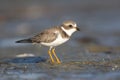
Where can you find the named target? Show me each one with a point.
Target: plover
(53, 37)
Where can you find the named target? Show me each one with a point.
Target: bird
(53, 37)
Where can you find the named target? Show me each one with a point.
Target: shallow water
(91, 54)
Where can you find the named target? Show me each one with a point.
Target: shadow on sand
(26, 60)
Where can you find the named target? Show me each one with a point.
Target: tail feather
(24, 41)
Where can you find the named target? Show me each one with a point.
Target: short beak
(77, 29)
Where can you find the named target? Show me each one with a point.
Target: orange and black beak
(77, 29)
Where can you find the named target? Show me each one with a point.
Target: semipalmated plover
(53, 37)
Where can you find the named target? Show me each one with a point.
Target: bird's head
(69, 27)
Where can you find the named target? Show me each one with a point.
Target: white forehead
(70, 23)
(75, 25)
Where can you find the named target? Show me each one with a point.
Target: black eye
(70, 26)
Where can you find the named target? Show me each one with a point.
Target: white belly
(57, 42)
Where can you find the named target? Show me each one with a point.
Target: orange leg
(57, 59)
(51, 58)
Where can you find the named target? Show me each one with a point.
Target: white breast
(56, 42)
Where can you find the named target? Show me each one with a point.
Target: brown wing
(45, 36)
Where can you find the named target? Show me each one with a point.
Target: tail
(24, 41)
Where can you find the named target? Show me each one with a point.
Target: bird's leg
(57, 59)
(51, 58)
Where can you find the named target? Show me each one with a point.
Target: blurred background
(99, 21)
(98, 40)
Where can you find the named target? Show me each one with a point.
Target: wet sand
(92, 54)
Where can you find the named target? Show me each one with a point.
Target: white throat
(69, 32)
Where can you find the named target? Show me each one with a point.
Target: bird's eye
(70, 26)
